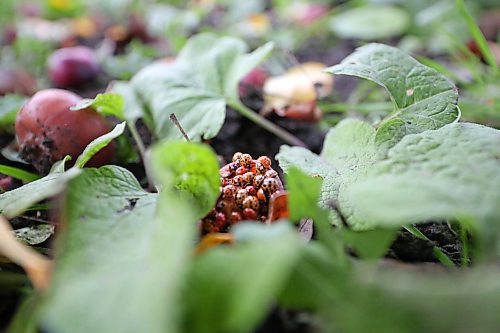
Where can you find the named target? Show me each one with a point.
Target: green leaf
(395, 300)
(349, 152)
(108, 104)
(119, 256)
(370, 244)
(231, 289)
(15, 202)
(132, 108)
(435, 175)
(197, 86)
(317, 280)
(35, 234)
(9, 106)
(18, 173)
(192, 168)
(97, 144)
(478, 36)
(371, 22)
(424, 98)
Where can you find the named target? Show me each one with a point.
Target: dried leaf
(300, 86)
(37, 267)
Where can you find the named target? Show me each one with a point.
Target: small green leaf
(9, 106)
(192, 168)
(60, 166)
(35, 234)
(424, 98)
(197, 86)
(97, 144)
(371, 22)
(15, 202)
(108, 104)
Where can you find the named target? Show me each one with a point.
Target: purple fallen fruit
(72, 66)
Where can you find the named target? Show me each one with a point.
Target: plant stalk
(266, 124)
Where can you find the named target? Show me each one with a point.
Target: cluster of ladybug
(247, 185)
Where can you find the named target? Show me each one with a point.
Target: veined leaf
(191, 168)
(124, 251)
(424, 98)
(435, 175)
(109, 104)
(348, 153)
(197, 86)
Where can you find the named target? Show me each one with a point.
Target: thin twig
(176, 122)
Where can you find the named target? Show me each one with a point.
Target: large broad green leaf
(397, 300)
(371, 22)
(197, 86)
(231, 289)
(423, 97)
(119, 265)
(191, 168)
(448, 173)
(348, 153)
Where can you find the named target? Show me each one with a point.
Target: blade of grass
(440, 255)
(18, 173)
(477, 35)
(464, 240)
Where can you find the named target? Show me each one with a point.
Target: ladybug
(265, 161)
(250, 190)
(249, 214)
(241, 170)
(237, 156)
(220, 220)
(260, 168)
(238, 180)
(257, 180)
(251, 202)
(229, 191)
(271, 174)
(246, 160)
(235, 217)
(270, 185)
(248, 178)
(240, 196)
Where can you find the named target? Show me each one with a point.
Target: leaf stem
(266, 124)
(142, 151)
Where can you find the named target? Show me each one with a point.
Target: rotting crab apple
(248, 186)
(47, 130)
(72, 66)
